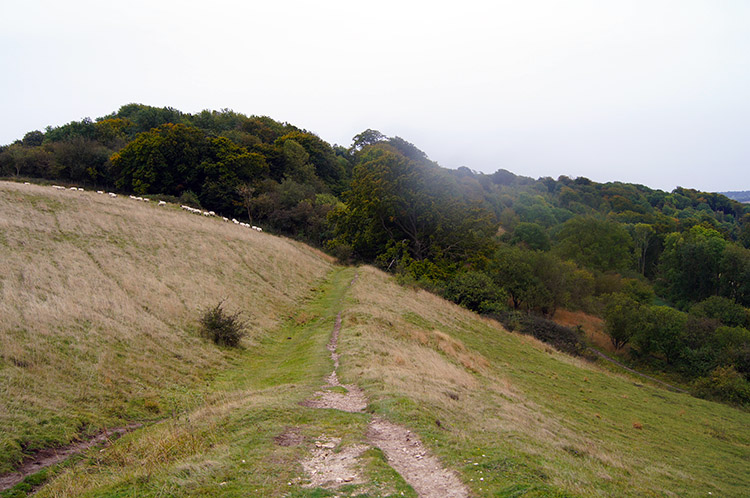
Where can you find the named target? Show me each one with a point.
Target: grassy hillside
(99, 308)
(523, 420)
(97, 288)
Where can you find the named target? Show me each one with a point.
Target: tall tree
(595, 243)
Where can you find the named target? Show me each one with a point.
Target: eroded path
(52, 456)
(332, 465)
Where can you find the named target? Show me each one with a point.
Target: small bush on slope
(223, 328)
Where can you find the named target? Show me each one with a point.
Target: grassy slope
(513, 417)
(226, 447)
(99, 299)
(523, 420)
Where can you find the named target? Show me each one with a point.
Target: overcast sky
(652, 92)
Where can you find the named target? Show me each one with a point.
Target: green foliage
(474, 290)
(367, 137)
(173, 158)
(33, 139)
(724, 384)
(622, 317)
(532, 236)
(690, 265)
(540, 281)
(662, 332)
(595, 243)
(221, 327)
(638, 290)
(734, 276)
(189, 198)
(392, 198)
(723, 309)
(733, 348)
(563, 338)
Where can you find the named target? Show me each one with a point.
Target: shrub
(562, 338)
(224, 329)
(622, 316)
(724, 384)
(189, 198)
(722, 309)
(474, 290)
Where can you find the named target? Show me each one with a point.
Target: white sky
(654, 92)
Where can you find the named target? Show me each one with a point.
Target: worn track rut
(403, 449)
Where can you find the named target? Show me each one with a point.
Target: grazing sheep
(100, 191)
(225, 218)
(111, 194)
(26, 183)
(235, 221)
(162, 203)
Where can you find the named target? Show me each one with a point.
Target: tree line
(668, 271)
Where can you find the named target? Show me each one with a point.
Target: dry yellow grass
(592, 326)
(99, 300)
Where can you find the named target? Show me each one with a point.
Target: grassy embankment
(99, 305)
(512, 416)
(519, 419)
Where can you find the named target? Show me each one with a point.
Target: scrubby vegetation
(222, 327)
(99, 328)
(490, 242)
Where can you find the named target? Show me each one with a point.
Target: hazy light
(652, 92)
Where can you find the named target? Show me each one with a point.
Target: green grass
(513, 417)
(528, 421)
(246, 407)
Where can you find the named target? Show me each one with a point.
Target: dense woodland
(668, 271)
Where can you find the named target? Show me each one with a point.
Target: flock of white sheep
(163, 203)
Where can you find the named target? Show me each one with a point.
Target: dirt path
(331, 466)
(408, 456)
(52, 456)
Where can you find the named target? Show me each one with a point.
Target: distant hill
(739, 195)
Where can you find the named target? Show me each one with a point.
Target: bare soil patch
(52, 456)
(403, 449)
(409, 457)
(330, 466)
(290, 437)
(353, 401)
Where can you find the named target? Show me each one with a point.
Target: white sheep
(112, 194)
(100, 191)
(162, 203)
